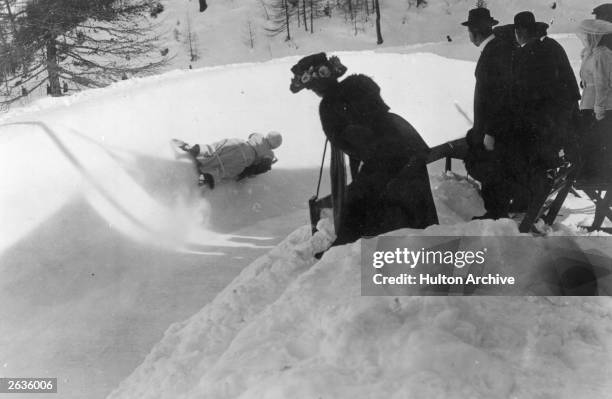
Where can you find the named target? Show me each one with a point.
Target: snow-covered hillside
(222, 31)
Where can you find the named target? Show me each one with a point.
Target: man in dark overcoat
(492, 112)
(545, 95)
(390, 184)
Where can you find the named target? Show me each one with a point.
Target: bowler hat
(480, 17)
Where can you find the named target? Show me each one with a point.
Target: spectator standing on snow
(546, 91)
(492, 112)
(233, 159)
(545, 96)
(390, 186)
(596, 103)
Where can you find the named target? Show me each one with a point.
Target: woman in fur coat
(390, 184)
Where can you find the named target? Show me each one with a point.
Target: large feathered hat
(314, 67)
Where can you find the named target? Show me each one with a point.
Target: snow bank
(289, 326)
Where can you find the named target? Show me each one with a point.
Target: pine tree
(87, 42)
(280, 12)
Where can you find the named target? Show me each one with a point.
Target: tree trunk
(11, 16)
(379, 38)
(311, 17)
(287, 19)
(52, 68)
(8, 89)
(304, 14)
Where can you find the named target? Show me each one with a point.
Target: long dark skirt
(378, 201)
(596, 146)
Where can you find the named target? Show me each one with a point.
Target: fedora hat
(525, 19)
(480, 17)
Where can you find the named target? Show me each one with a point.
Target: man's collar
(486, 41)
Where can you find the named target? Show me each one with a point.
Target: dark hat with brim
(309, 69)
(309, 61)
(480, 17)
(525, 19)
(540, 27)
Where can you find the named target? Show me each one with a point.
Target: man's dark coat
(546, 98)
(492, 100)
(492, 116)
(390, 189)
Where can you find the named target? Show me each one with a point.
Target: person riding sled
(390, 184)
(233, 158)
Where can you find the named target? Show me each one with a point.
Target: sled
(599, 192)
(547, 203)
(456, 149)
(601, 195)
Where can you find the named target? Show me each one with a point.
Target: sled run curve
(113, 185)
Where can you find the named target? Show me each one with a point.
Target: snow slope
(292, 326)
